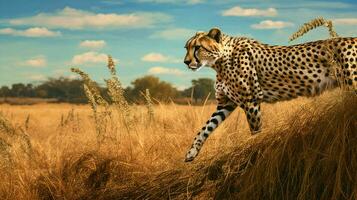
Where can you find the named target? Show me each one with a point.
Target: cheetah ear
(215, 34)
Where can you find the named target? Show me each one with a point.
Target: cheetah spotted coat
(249, 73)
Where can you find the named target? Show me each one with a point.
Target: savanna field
(58, 151)
(114, 148)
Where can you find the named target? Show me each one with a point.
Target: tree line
(71, 90)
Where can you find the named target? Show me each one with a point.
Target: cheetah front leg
(253, 114)
(222, 112)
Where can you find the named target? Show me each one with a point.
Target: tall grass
(311, 155)
(12, 139)
(149, 104)
(116, 94)
(306, 151)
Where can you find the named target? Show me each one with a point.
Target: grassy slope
(306, 151)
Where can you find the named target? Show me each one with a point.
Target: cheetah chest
(231, 90)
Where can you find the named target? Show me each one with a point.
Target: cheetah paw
(255, 132)
(191, 155)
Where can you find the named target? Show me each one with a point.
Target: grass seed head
(312, 25)
(111, 65)
(91, 86)
(149, 103)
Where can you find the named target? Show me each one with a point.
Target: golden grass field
(307, 150)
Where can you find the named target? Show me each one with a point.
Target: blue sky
(40, 39)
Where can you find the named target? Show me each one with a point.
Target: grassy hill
(307, 150)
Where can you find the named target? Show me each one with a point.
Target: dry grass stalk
(91, 86)
(337, 68)
(93, 105)
(12, 136)
(6, 127)
(310, 156)
(90, 98)
(149, 104)
(95, 99)
(331, 30)
(27, 147)
(116, 93)
(62, 121)
(115, 87)
(312, 25)
(5, 153)
(27, 122)
(71, 121)
(111, 65)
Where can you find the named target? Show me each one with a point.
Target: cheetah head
(203, 49)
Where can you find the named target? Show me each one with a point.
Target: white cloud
(174, 34)
(90, 57)
(158, 57)
(239, 11)
(71, 18)
(345, 21)
(94, 44)
(165, 70)
(30, 32)
(191, 2)
(269, 24)
(39, 61)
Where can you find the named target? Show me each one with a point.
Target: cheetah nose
(187, 62)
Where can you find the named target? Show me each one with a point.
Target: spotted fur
(249, 73)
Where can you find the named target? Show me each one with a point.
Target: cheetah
(249, 73)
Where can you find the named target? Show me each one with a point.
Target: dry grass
(25, 100)
(313, 24)
(103, 151)
(306, 151)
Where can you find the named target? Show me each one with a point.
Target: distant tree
(200, 89)
(159, 90)
(129, 94)
(63, 89)
(5, 91)
(18, 90)
(29, 91)
(41, 93)
(71, 90)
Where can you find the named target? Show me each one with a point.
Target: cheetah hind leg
(253, 114)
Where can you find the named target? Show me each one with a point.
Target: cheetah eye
(197, 47)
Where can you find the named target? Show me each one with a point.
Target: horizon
(146, 37)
